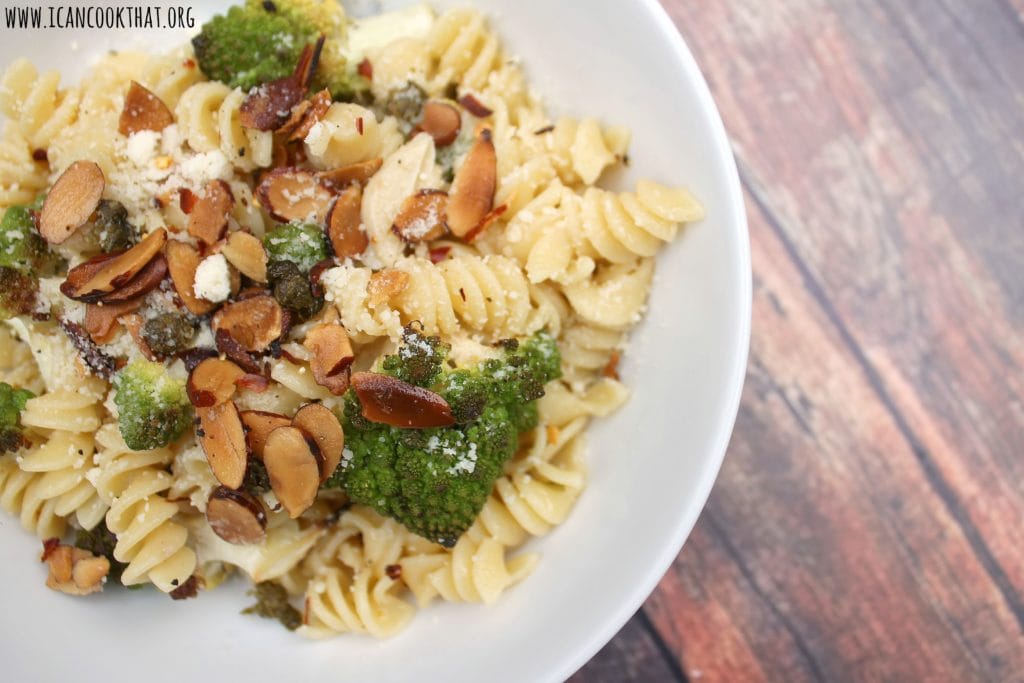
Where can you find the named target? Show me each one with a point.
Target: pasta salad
(325, 303)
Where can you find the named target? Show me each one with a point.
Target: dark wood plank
(633, 655)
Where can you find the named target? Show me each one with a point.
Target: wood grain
(867, 522)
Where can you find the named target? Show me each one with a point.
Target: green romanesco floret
(250, 46)
(304, 244)
(153, 407)
(17, 293)
(21, 247)
(12, 402)
(436, 481)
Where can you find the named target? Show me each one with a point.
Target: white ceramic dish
(652, 465)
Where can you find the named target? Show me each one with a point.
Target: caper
(168, 333)
(115, 232)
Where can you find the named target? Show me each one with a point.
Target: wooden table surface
(866, 525)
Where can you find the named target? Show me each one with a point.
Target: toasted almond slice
(258, 425)
(148, 279)
(115, 272)
(386, 284)
(442, 122)
(491, 216)
(332, 356)
(353, 174)
(293, 468)
(187, 200)
(254, 322)
(317, 109)
(231, 348)
(246, 253)
(298, 113)
(223, 441)
(294, 194)
(182, 261)
(101, 319)
(253, 382)
(212, 382)
(323, 427)
(209, 217)
(268, 106)
(472, 193)
(143, 111)
(422, 216)
(475, 106)
(236, 516)
(391, 401)
(88, 573)
(343, 224)
(71, 201)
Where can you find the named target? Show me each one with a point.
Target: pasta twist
(193, 479)
(40, 108)
(587, 350)
(615, 297)
(148, 540)
(62, 410)
(19, 496)
(62, 462)
(348, 134)
(169, 76)
(208, 117)
(58, 362)
(17, 366)
(22, 178)
(465, 50)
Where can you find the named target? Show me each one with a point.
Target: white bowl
(651, 465)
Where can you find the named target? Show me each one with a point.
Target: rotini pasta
(208, 117)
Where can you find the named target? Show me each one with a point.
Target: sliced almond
(317, 109)
(268, 106)
(223, 440)
(73, 570)
(344, 227)
(422, 216)
(391, 401)
(475, 106)
(491, 216)
(236, 516)
(208, 219)
(182, 262)
(88, 572)
(252, 382)
(212, 382)
(246, 253)
(187, 200)
(254, 322)
(332, 356)
(442, 122)
(143, 111)
(293, 468)
(101, 319)
(258, 425)
(472, 193)
(353, 174)
(294, 194)
(71, 201)
(237, 353)
(115, 272)
(295, 118)
(146, 281)
(323, 427)
(386, 284)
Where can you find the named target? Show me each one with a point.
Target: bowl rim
(638, 594)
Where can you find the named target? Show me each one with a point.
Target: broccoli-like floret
(419, 359)
(153, 407)
(12, 402)
(304, 244)
(436, 481)
(17, 293)
(21, 247)
(293, 290)
(272, 603)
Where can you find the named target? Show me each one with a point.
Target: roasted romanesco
(153, 407)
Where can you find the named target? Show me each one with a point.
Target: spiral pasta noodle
(19, 496)
(169, 76)
(464, 49)
(587, 350)
(22, 178)
(148, 540)
(63, 461)
(37, 103)
(208, 117)
(17, 366)
(348, 134)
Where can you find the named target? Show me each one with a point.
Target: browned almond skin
(332, 356)
(317, 109)
(223, 441)
(293, 469)
(90, 283)
(475, 106)
(146, 281)
(491, 216)
(358, 173)
(268, 107)
(143, 111)
(258, 425)
(236, 516)
(442, 122)
(71, 200)
(208, 220)
(101, 321)
(320, 424)
(343, 224)
(235, 352)
(422, 216)
(182, 262)
(246, 253)
(254, 323)
(212, 382)
(281, 183)
(472, 193)
(391, 401)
